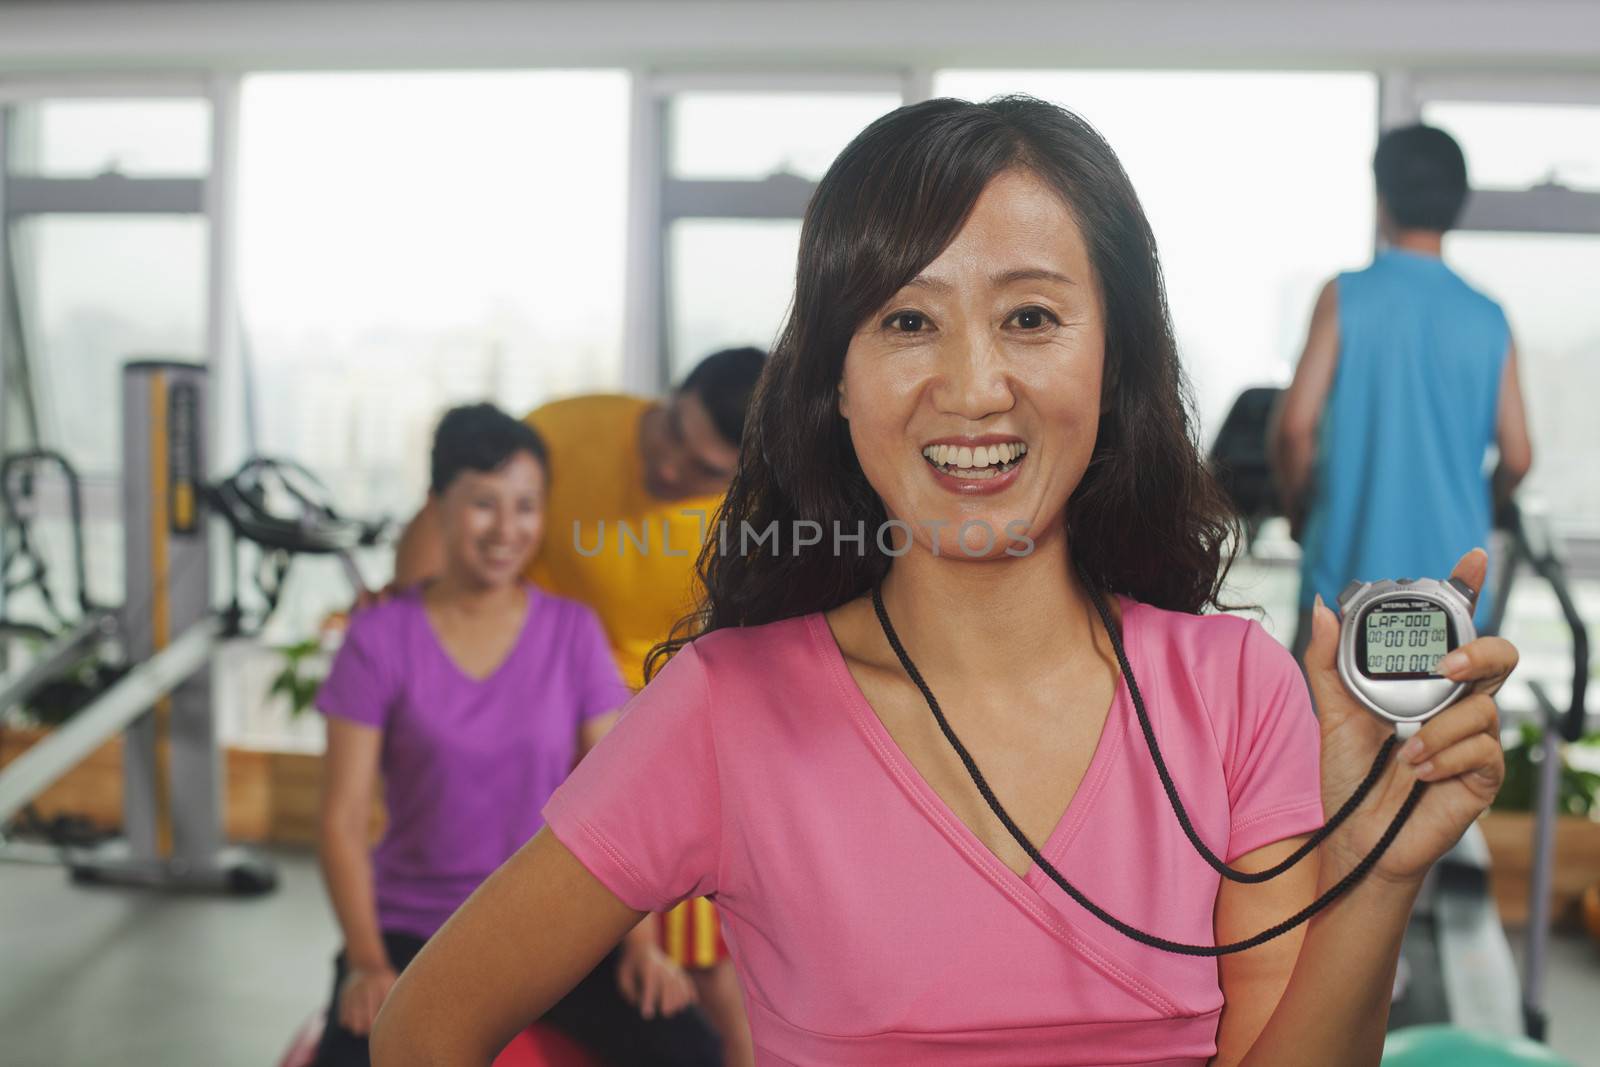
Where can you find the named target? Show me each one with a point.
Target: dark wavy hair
(482, 438)
(1146, 520)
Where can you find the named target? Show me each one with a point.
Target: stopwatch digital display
(1403, 638)
(1392, 635)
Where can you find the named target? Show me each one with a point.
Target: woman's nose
(976, 382)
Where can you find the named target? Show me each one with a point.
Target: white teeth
(979, 457)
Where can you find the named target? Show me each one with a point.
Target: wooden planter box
(271, 797)
(1577, 866)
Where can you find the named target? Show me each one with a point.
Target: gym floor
(114, 976)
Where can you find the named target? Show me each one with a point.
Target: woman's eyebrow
(1029, 274)
(922, 281)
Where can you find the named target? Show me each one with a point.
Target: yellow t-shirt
(631, 557)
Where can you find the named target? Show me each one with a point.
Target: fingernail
(1425, 770)
(1455, 661)
(1412, 749)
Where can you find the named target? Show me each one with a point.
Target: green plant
(298, 680)
(1577, 794)
(71, 689)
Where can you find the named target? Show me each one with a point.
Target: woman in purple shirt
(473, 697)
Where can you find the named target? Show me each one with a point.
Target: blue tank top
(1401, 488)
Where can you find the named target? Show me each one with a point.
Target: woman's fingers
(628, 981)
(1478, 757)
(676, 997)
(1486, 663)
(1475, 714)
(1472, 569)
(649, 992)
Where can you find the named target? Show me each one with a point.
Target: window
(83, 138)
(1518, 145)
(739, 163)
(1258, 187)
(104, 258)
(725, 135)
(733, 281)
(412, 241)
(102, 290)
(1546, 284)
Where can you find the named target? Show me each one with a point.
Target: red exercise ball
(540, 1046)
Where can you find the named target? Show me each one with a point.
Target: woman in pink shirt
(971, 436)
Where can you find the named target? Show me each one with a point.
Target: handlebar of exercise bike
(314, 528)
(319, 529)
(26, 462)
(1534, 544)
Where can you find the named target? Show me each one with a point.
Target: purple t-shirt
(467, 764)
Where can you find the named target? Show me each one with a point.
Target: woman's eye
(1033, 318)
(907, 322)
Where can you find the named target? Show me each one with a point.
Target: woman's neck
(463, 595)
(997, 618)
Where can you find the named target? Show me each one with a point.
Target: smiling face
(974, 393)
(492, 521)
(685, 455)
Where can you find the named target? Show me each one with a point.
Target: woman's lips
(977, 485)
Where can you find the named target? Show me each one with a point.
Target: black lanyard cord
(1355, 875)
(1375, 772)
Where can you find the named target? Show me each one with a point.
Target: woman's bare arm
(518, 945)
(1253, 982)
(350, 776)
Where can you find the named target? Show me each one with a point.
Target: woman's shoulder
(750, 659)
(745, 647)
(1221, 653)
(384, 617)
(1212, 632)
(1226, 679)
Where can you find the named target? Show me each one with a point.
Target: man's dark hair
(1422, 177)
(724, 382)
(480, 437)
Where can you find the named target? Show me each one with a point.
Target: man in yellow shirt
(634, 485)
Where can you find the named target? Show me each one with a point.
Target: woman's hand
(362, 994)
(1457, 751)
(651, 981)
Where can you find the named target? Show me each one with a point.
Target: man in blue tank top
(1409, 375)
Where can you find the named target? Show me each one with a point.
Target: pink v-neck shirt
(870, 926)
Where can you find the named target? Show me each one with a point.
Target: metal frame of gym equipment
(1532, 543)
(172, 768)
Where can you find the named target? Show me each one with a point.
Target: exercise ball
(1445, 1046)
(537, 1046)
(541, 1046)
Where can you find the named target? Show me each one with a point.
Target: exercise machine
(1456, 963)
(169, 631)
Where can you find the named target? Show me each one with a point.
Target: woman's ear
(844, 401)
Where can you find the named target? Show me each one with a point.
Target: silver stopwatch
(1392, 634)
